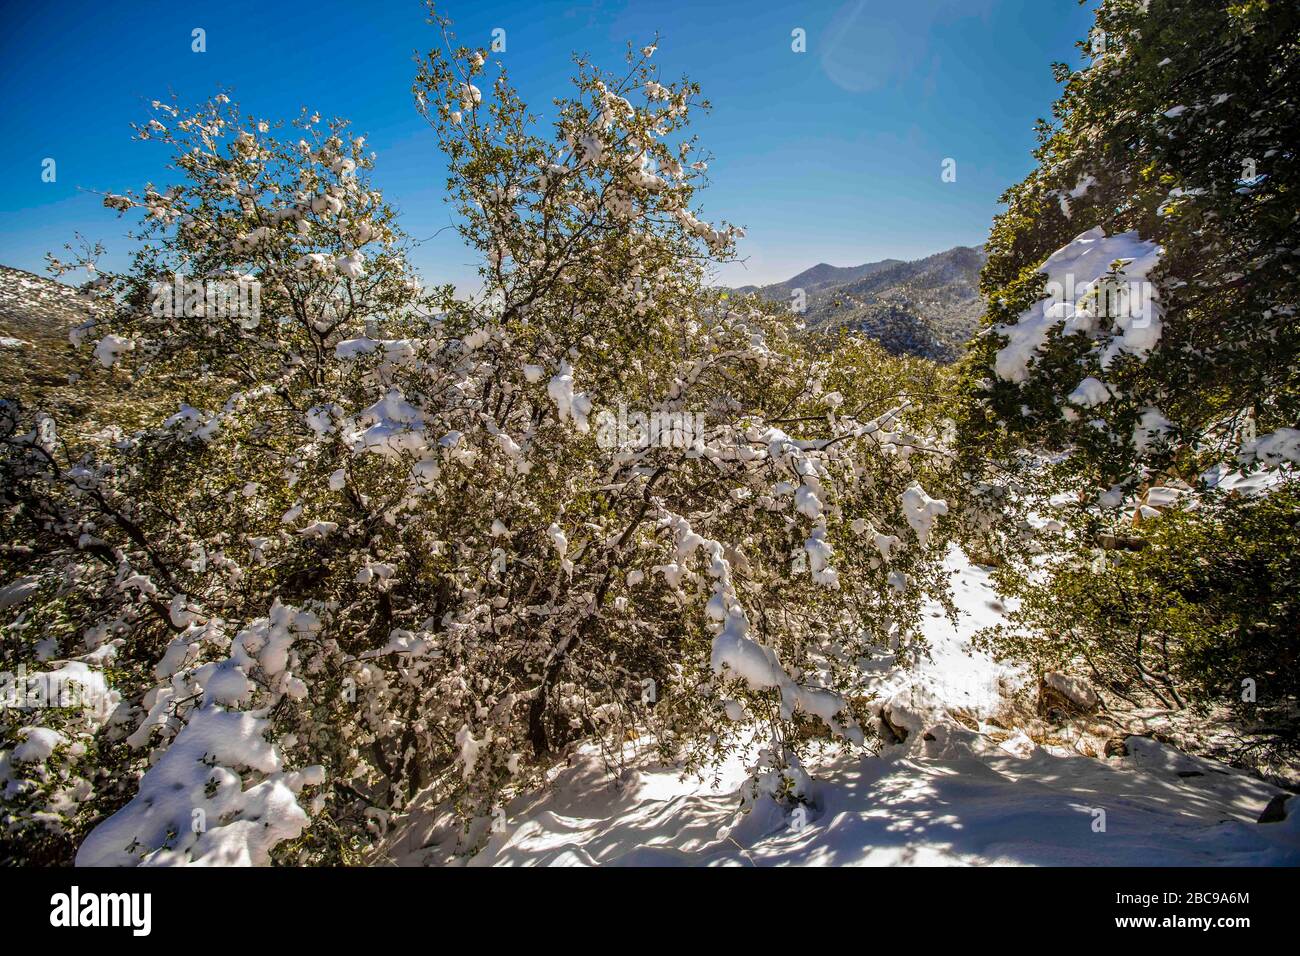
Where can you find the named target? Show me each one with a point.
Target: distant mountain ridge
(823, 276)
(928, 307)
(35, 307)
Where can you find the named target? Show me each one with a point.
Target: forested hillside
(929, 308)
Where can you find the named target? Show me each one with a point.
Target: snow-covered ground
(951, 678)
(949, 795)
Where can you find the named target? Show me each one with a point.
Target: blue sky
(832, 155)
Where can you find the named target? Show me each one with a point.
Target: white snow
(38, 744)
(957, 800)
(1274, 448)
(960, 797)
(921, 510)
(1074, 273)
(1090, 393)
(1226, 478)
(950, 676)
(192, 808)
(111, 348)
(1151, 428)
(351, 265)
(568, 403)
(735, 655)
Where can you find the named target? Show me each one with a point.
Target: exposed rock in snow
(1074, 691)
(1279, 808)
(18, 591)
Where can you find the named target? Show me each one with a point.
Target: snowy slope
(952, 677)
(959, 797)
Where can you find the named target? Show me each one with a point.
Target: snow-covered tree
(367, 541)
(1141, 348)
(1162, 212)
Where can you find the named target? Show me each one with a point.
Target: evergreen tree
(1183, 131)
(1140, 357)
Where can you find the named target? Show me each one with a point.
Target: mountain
(33, 307)
(928, 307)
(35, 316)
(821, 276)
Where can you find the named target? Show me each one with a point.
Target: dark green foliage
(1205, 613)
(1183, 129)
(1214, 184)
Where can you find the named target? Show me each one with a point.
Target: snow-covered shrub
(1141, 346)
(375, 541)
(1202, 614)
(53, 716)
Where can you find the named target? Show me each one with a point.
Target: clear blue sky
(831, 155)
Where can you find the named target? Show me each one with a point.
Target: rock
(1115, 747)
(1076, 690)
(1021, 745)
(1111, 542)
(1061, 697)
(16, 592)
(894, 733)
(1275, 812)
